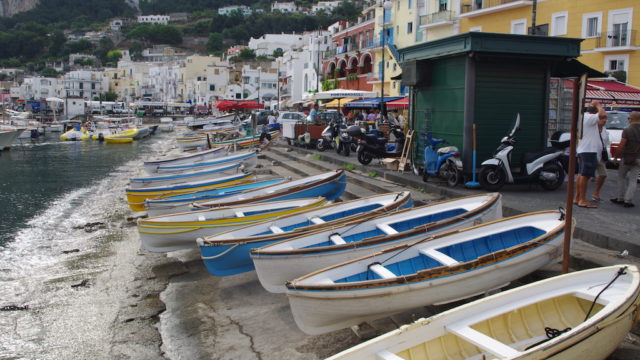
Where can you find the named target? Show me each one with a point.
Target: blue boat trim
(180, 176)
(187, 186)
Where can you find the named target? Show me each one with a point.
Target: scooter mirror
(516, 126)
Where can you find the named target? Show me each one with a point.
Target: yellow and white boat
(130, 133)
(582, 315)
(179, 231)
(136, 197)
(75, 135)
(118, 140)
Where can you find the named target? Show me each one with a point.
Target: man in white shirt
(272, 119)
(588, 148)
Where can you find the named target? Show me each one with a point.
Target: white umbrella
(343, 93)
(54, 99)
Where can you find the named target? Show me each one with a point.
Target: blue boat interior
(399, 226)
(462, 252)
(226, 191)
(334, 216)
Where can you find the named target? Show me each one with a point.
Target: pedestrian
(601, 170)
(371, 117)
(588, 149)
(629, 153)
(272, 119)
(402, 121)
(312, 114)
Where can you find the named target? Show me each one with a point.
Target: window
(559, 23)
(409, 27)
(212, 87)
(519, 26)
(619, 24)
(442, 5)
(616, 62)
(591, 25)
(409, 4)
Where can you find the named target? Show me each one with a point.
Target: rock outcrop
(12, 7)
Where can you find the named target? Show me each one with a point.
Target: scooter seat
(447, 149)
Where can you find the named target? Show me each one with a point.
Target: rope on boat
(219, 255)
(551, 333)
(621, 271)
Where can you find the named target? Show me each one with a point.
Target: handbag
(604, 154)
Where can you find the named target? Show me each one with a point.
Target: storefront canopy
(612, 92)
(343, 93)
(399, 104)
(337, 103)
(370, 102)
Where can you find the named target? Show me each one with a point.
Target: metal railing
(473, 5)
(617, 39)
(440, 16)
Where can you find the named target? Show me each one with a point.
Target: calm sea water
(34, 174)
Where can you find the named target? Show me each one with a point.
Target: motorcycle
(374, 145)
(544, 167)
(329, 135)
(443, 162)
(344, 141)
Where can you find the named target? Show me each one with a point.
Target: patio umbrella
(250, 105)
(343, 93)
(225, 105)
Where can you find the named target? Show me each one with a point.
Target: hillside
(12, 7)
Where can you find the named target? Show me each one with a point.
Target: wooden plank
(439, 257)
(382, 271)
(406, 151)
(483, 341)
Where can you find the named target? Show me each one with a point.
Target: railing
(437, 17)
(617, 39)
(473, 5)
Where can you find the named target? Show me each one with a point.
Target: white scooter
(544, 167)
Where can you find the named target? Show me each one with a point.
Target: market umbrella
(250, 105)
(336, 103)
(399, 104)
(225, 105)
(343, 93)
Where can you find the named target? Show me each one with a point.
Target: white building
(326, 6)
(41, 88)
(85, 84)
(284, 7)
(226, 10)
(116, 24)
(154, 19)
(256, 83)
(313, 51)
(268, 43)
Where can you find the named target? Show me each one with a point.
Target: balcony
(441, 17)
(472, 8)
(617, 40)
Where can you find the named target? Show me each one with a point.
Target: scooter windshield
(516, 126)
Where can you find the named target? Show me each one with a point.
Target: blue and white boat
(174, 179)
(286, 260)
(181, 203)
(330, 185)
(151, 167)
(432, 270)
(248, 160)
(227, 253)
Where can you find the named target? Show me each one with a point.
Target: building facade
(86, 84)
(154, 19)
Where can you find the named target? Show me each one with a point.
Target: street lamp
(259, 70)
(386, 6)
(318, 63)
(278, 83)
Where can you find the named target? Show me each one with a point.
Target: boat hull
(151, 167)
(249, 161)
(172, 179)
(8, 137)
(136, 197)
(274, 270)
(157, 236)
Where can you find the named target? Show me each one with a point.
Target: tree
(278, 53)
(215, 43)
(246, 54)
(113, 57)
(49, 72)
(135, 51)
(157, 34)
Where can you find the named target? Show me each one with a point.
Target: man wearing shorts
(588, 148)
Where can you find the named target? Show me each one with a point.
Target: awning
(342, 93)
(370, 102)
(574, 68)
(612, 92)
(399, 104)
(337, 103)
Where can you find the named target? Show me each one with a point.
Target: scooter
(329, 135)
(544, 167)
(374, 145)
(344, 141)
(442, 162)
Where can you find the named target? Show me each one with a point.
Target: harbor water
(62, 219)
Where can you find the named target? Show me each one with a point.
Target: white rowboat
(597, 307)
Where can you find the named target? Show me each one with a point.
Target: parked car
(616, 122)
(262, 115)
(290, 116)
(202, 110)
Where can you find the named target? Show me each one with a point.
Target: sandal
(588, 206)
(596, 199)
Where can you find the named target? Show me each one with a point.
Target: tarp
(370, 102)
(399, 104)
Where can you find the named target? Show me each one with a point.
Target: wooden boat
(181, 178)
(248, 160)
(237, 243)
(435, 269)
(596, 307)
(181, 203)
(136, 197)
(280, 262)
(151, 167)
(330, 185)
(180, 231)
(245, 141)
(118, 140)
(193, 142)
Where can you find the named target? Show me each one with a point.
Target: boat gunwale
(381, 239)
(393, 206)
(433, 273)
(186, 186)
(331, 178)
(189, 156)
(175, 168)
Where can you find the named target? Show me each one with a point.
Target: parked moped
(544, 167)
(443, 162)
(374, 145)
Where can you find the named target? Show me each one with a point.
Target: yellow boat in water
(129, 133)
(75, 134)
(118, 140)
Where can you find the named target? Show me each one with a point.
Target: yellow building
(611, 36)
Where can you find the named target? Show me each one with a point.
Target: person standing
(588, 148)
(601, 170)
(313, 113)
(629, 153)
